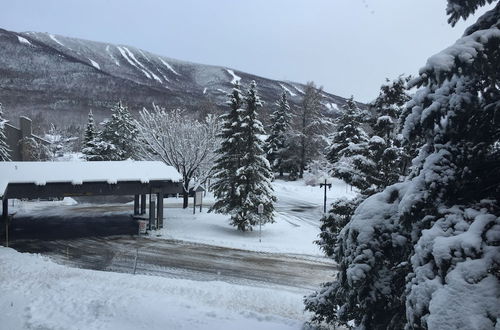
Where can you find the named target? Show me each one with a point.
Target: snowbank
(39, 294)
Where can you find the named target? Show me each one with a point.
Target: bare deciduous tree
(187, 144)
(311, 127)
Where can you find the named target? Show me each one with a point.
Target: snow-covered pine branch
(424, 253)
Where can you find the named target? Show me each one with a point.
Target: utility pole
(321, 185)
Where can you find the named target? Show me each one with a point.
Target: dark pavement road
(110, 243)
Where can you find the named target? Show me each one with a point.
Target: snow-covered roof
(41, 173)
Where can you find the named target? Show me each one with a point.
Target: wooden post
(136, 204)
(5, 209)
(143, 204)
(194, 202)
(152, 210)
(5, 218)
(201, 201)
(160, 210)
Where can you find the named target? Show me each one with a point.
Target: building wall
(15, 135)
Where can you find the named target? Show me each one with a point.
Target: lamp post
(260, 211)
(321, 185)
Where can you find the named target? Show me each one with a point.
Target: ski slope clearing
(236, 78)
(55, 40)
(24, 41)
(39, 294)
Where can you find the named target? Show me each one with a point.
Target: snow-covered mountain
(61, 78)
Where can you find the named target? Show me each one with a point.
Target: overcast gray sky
(347, 46)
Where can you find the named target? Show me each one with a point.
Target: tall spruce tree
(278, 143)
(92, 145)
(348, 148)
(4, 148)
(348, 130)
(121, 132)
(389, 155)
(388, 107)
(253, 177)
(116, 141)
(90, 129)
(230, 153)
(423, 253)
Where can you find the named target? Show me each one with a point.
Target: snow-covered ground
(299, 209)
(39, 294)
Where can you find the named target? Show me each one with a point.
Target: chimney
(25, 126)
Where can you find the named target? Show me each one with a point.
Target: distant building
(16, 136)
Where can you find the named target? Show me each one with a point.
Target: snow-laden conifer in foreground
(424, 253)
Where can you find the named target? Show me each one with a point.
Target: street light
(321, 185)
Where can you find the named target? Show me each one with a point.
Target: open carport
(41, 180)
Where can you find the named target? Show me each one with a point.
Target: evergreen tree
(91, 141)
(278, 142)
(100, 150)
(348, 148)
(4, 148)
(253, 177)
(369, 164)
(388, 107)
(116, 141)
(423, 253)
(391, 158)
(229, 160)
(348, 130)
(121, 132)
(90, 130)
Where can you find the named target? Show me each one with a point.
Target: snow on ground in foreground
(39, 294)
